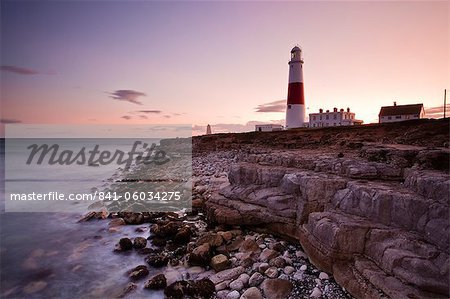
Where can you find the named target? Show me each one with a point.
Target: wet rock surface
(307, 214)
(377, 204)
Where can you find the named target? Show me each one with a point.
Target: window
(398, 117)
(320, 117)
(260, 129)
(289, 106)
(327, 117)
(314, 117)
(389, 117)
(335, 116)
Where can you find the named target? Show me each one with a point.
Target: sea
(52, 254)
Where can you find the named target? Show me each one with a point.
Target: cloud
(275, 106)
(167, 116)
(127, 95)
(437, 112)
(149, 111)
(18, 70)
(127, 117)
(9, 121)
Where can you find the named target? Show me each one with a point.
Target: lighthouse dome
(296, 49)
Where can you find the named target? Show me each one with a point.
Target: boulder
(256, 279)
(278, 262)
(157, 282)
(249, 245)
(157, 260)
(200, 256)
(276, 288)
(272, 272)
(116, 222)
(165, 230)
(130, 287)
(228, 274)
(138, 272)
(268, 254)
(183, 236)
(220, 262)
(202, 288)
(139, 242)
(125, 244)
(213, 240)
(252, 293)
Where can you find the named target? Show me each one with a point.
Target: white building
(400, 113)
(268, 128)
(333, 119)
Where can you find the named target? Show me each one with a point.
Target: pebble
(316, 293)
(222, 285)
(255, 266)
(298, 275)
(288, 270)
(263, 267)
(303, 267)
(222, 294)
(244, 277)
(255, 279)
(323, 276)
(278, 262)
(252, 293)
(236, 285)
(272, 272)
(233, 295)
(301, 254)
(283, 276)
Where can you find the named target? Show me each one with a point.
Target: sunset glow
(202, 63)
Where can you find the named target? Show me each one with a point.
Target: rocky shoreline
(218, 262)
(303, 214)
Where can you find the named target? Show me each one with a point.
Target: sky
(218, 63)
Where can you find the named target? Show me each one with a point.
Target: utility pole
(445, 101)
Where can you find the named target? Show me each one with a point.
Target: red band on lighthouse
(295, 94)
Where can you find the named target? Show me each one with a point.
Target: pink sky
(215, 63)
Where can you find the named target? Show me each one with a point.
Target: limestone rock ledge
(378, 218)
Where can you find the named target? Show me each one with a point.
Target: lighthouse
(295, 109)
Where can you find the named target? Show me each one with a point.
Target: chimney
(334, 109)
(395, 103)
(328, 111)
(342, 110)
(348, 109)
(320, 110)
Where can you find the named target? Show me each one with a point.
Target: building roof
(401, 110)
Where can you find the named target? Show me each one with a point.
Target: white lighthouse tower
(295, 110)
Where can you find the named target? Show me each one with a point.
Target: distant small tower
(295, 110)
(208, 130)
